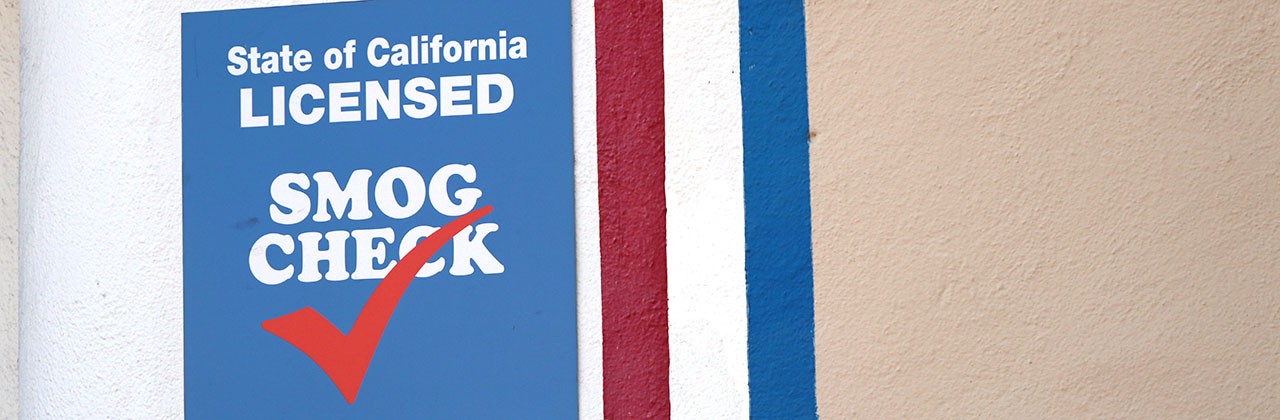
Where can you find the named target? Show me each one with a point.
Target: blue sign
(378, 211)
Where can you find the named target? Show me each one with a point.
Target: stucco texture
(9, 209)
(1035, 209)
(101, 301)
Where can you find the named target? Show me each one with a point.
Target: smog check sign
(378, 211)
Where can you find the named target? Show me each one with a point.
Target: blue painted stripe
(775, 119)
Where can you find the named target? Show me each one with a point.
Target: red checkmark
(346, 357)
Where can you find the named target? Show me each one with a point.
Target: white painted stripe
(587, 212)
(705, 239)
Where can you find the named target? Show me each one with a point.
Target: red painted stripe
(633, 233)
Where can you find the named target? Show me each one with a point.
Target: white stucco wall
(101, 230)
(8, 209)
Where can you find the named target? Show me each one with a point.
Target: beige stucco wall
(1046, 209)
(8, 209)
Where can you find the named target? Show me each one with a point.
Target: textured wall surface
(1021, 209)
(1029, 209)
(707, 299)
(8, 209)
(101, 208)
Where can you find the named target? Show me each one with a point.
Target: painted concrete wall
(1046, 209)
(8, 209)
(102, 283)
(1020, 209)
